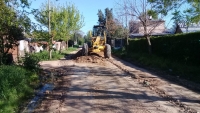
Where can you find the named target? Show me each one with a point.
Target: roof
(133, 35)
(151, 22)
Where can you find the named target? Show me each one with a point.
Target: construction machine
(97, 42)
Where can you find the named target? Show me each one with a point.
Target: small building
(154, 27)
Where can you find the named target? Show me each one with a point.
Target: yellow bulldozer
(97, 42)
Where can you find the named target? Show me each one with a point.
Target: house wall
(15, 53)
(160, 28)
(60, 45)
(23, 47)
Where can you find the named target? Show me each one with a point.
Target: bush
(176, 54)
(182, 48)
(80, 41)
(31, 62)
(44, 55)
(14, 87)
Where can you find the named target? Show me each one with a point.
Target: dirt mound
(91, 58)
(77, 54)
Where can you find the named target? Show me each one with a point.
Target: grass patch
(44, 55)
(16, 86)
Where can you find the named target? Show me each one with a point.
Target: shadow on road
(60, 93)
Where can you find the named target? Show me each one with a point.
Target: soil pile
(91, 58)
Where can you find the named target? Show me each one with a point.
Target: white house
(154, 27)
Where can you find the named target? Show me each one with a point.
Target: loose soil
(93, 84)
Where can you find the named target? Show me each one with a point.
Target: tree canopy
(101, 17)
(65, 19)
(13, 22)
(165, 6)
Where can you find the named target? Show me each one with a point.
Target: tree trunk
(127, 44)
(147, 37)
(50, 53)
(50, 49)
(60, 51)
(67, 45)
(149, 44)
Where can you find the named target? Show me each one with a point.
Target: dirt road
(96, 85)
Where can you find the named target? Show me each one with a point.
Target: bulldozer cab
(99, 31)
(98, 38)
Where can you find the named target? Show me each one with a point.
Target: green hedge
(181, 48)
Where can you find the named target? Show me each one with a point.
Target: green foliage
(80, 41)
(12, 23)
(14, 87)
(165, 6)
(109, 14)
(152, 13)
(40, 35)
(113, 26)
(31, 62)
(101, 17)
(122, 53)
(44, 55)
(65, 19)
(87, 37)
(78, 37)
(192, 11)
(177, 53)
(180, 48)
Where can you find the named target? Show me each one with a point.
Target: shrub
(176, 54)
(44, 55)
(31, 62)
(14, 86)
(182, 48)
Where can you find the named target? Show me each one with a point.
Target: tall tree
(129, 8)
(65, 20)
(194, 10)
(165, 6)
(110, 23)
(101, 19)
(13, 21)
(109, 13)
(87, 37)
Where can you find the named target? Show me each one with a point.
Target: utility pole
(49, 19)
(51, 40)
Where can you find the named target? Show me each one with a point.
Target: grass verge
(44, 55)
